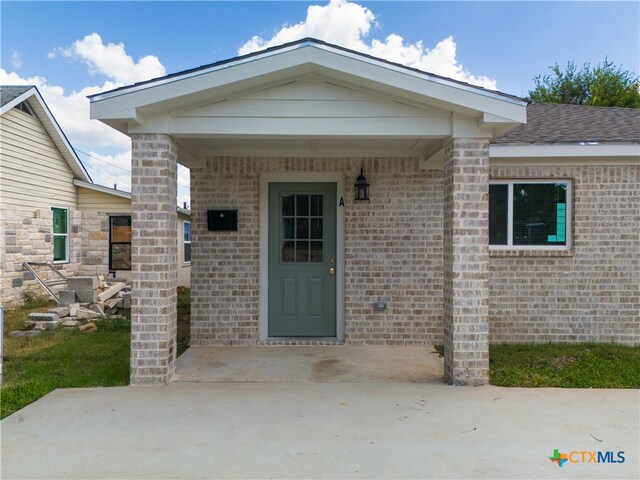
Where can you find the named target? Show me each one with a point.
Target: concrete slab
(319, 430)
(339, 363)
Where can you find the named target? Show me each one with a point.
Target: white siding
(33, 173)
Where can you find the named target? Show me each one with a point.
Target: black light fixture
(362, 187)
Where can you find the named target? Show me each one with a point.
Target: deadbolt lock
(332, 260)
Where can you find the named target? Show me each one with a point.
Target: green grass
(184, 319)
(586, 365)
(34, 366)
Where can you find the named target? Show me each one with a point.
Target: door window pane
(288, 228)
(302, 228)
(302, 205)
(316, 252)
(316, 228)
(288, 251)
(302, 251)
(316, 205)
(301, 220)
(288, 205)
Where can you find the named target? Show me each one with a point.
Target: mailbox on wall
(222, 220)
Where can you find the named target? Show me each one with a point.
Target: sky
(73, 49)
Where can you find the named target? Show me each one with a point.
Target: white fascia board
(581, 150)
(50, 124)
(183, 211)
(305, 58)
(102, 189)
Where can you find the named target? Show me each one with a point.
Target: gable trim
(307, 42)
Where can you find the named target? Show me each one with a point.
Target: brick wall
(393, 250)
(591, 293)
(27, 237)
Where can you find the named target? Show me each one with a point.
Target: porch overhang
(281, 100)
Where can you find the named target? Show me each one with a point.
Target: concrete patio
(318, 430)
(336, 363)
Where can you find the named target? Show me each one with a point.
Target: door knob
(332, 271)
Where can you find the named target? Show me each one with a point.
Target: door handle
(332, 271)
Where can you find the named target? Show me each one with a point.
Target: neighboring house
(487, 220)
(50, 211)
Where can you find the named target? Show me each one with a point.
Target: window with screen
(526, 214)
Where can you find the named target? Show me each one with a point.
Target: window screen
(536, 213)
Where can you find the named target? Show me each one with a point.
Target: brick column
(466, 262)
(154, 259)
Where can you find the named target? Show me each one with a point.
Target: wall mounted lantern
(362, 187)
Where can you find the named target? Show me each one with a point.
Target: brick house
(484, 220)
(50, 210)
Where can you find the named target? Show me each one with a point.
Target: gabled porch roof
(308, 97)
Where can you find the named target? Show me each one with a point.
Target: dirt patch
(216, 364)
(328, 368)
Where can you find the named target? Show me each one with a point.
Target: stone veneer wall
(27, 237)
(95, 244)
(393, 250)
(591, 293)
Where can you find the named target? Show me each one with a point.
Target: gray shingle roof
(557, 123)
(9, 92)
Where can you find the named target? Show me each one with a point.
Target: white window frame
(569, 226)
(184, 242)
(65, 235)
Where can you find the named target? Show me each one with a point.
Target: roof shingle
(559, 123)
(9, 92)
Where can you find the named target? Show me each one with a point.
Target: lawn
(34, 366)
(586, 365)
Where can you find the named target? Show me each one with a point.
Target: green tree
(604, 85)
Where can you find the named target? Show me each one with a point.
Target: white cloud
(16, 61)
(112, 60)
(116, 169)
(72, 111)
(109, 169)
(348, 24)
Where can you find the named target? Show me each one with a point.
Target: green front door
(302, 260)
